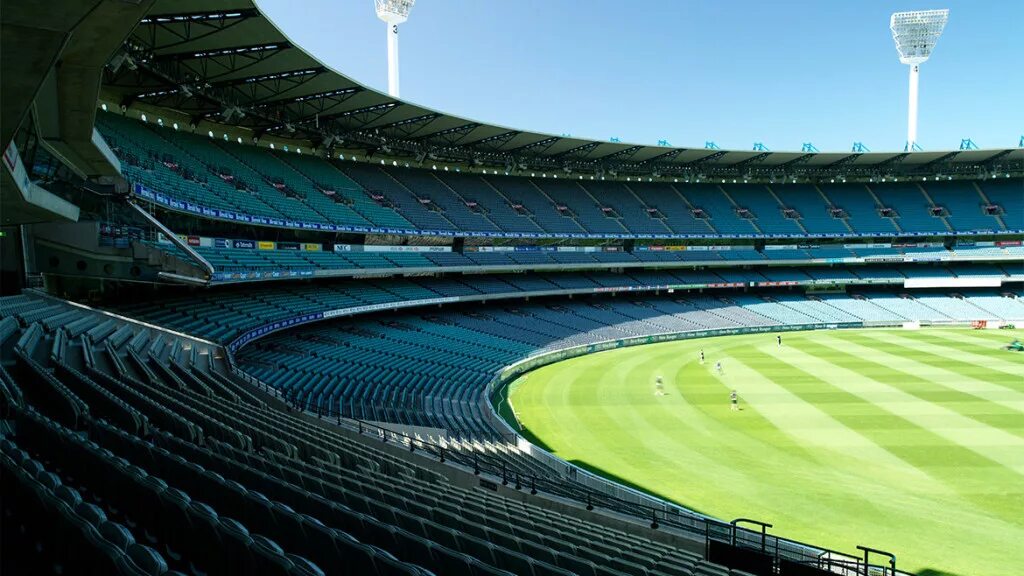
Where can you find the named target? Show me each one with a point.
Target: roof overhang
(224, 62)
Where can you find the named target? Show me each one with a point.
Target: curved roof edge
(224, 61)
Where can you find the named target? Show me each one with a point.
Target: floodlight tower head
(916, 34)
(393, 13)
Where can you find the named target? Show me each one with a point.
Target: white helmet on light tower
(393, 13)
(916, 34)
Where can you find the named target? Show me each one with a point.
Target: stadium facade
(258, 318)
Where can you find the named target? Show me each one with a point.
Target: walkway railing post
(867, 563)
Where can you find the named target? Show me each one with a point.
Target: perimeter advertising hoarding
(376, 248)
(551, 357)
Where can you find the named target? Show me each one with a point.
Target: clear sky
(735, 72)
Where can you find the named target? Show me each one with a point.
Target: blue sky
(736, 72)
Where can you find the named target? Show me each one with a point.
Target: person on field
(718, 366)
(701, 355)
(659, 388)
(734, 401)
(779, 338)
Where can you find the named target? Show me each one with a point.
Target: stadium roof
(224, 61)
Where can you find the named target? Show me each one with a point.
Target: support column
(393, 60)
(912, 109)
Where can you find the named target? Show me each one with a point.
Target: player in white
(701, 355)
(659, 387)
(718, 366)
(734, 401)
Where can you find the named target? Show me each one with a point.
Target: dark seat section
(142, 452)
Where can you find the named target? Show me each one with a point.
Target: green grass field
(909, 441)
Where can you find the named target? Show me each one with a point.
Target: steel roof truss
(189, 27)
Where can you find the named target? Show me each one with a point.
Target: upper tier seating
(497, 209)
(296, 187)
(812, 206)
(964, 205)
(861, 207)
(347, 195)
(762, 202)
(911, 204)
(1006, 194)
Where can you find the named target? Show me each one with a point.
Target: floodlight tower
(916, 34)
(393, 13)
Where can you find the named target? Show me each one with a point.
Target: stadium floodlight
(916, 34)
(393, 13)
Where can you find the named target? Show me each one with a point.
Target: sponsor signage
(374, 248)
(855, 246)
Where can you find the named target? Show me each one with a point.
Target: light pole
(916, 34)
(393, 13)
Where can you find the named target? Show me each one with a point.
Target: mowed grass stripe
(969, 335)
(991, 408)
(923, 389)
(993, 443)
(693, 405)
(949, 359)
(981, 342)
(589, 388)
(967, 346)
(905, 357)
(808, 423)
(651, 451)
(954, 474)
